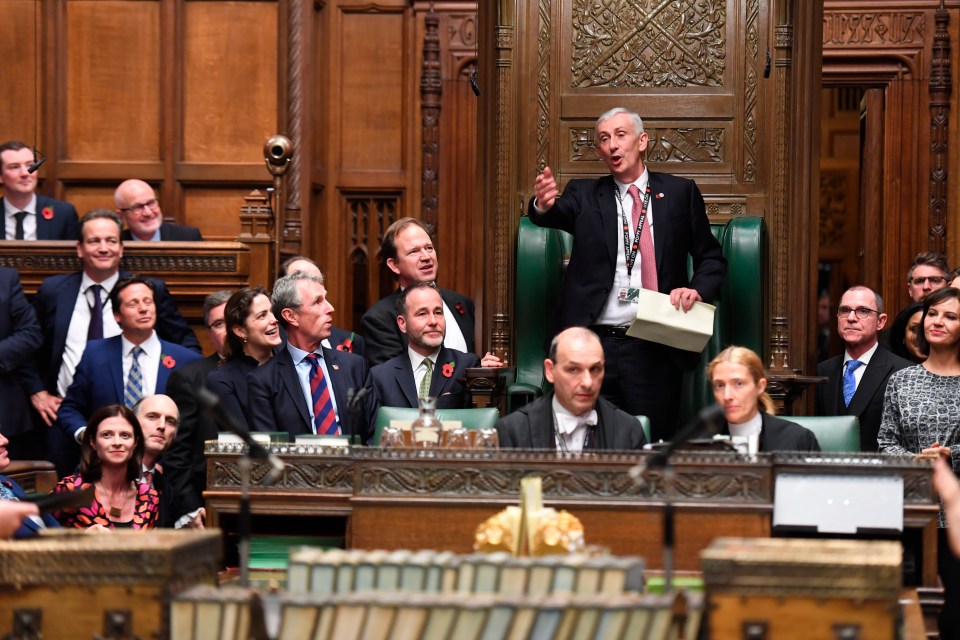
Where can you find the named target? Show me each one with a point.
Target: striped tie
(424, 389)
(134, 389)
(324, 418)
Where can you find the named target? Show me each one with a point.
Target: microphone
(706, 423)
(211, 405)
(37, 161)
(474, 83)
(355, 410)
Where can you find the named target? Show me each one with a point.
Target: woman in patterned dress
(921, 414)
(111, 451)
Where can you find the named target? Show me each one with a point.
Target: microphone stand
(707, 422)
(209, 402)
(355, 411)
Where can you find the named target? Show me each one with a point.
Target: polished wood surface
(407, 500)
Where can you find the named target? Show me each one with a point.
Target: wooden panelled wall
(184, 93)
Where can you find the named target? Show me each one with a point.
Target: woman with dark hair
(921, 414)
(111, 451)
(252, 335)
(904, 332)
(739, 386)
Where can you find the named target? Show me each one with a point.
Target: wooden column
(941, 86)
(431, 90)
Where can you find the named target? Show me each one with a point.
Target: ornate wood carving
(431, 91)
(750, 91)
(543, 84)
(299, 473)
(290, 228)
(941, 86)
(853, 29)
(834, 187)
(623, 43)
(667, 144)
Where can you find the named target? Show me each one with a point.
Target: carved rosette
(648, 43)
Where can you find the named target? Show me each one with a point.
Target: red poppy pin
(347, 344)
(460, 309)
(448, 369)
(168, 361)
(658, 196)
(47, 213)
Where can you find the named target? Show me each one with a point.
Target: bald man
(573, 417)
(137, 204)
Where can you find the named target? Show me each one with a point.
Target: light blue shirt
(302, 365)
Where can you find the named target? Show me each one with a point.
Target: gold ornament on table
(530, 528)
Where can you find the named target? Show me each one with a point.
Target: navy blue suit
(54, 305)
(20, 337)
(384, 338)
(642, 378)
(99, 379)
(29, 528)
(396, 385)
(62, 225)
(170, 231)
(276, 400)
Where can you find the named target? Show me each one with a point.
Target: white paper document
(658, 321)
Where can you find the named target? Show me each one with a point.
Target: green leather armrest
(645, 424)
(483, 418)
(836, 434)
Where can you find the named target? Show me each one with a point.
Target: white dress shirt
(570, 428)
(80, 324)
(302, 365)
(417, 364)
(149, 361)
(29, 220)
(858, 372)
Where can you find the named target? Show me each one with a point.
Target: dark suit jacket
(587, 209)
(778, 434)
(20, 338)
(184, 462)
(170, 231)
(338, 340)
(531, 427)
(384, 338)
(276, 401)
(54, 305)
(99, 379)
(29, 528)
(396, 385)
(229, 382)
(867, 401)
(63, 225)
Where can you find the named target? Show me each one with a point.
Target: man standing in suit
(633, 229)
(428, 368)
(409, 253)
(138, 206)
(20, 337)
(340, 339)
(125, 368)
(572, 417)
(184, 463)
(73, 308)
(857, 380)
(26, 215)
(306, 388)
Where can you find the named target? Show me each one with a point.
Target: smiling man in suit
(409, 253)
(857, 380)
(634, 229)
(125, 368)
(428, 368)
(137, 204)
(26, 215)
(307, 388)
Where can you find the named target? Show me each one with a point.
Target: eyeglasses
(217, 324)
(862, 312)
(934, 280)
(139, 207)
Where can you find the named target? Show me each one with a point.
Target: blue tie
(849, 382)
(133, 392)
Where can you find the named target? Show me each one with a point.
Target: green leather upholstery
(471, 418)
(836, 434)
(645, 424)
(541, 257)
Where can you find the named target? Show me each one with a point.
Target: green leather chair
(542, 255)
(645, 425)
(471, 418)
(836, 434)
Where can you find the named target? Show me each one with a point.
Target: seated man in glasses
(857, 380)
(138, 206)
(927, 273)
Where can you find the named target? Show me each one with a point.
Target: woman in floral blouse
(111, 451)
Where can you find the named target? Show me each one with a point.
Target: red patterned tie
(648, 259)
(324, 417)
